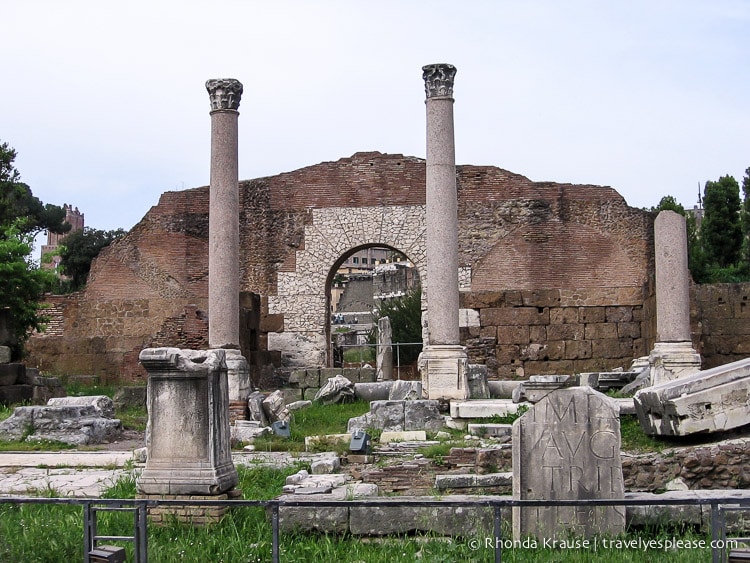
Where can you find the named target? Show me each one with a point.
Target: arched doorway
(358, 284)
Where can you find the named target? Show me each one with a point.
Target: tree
(78, 250)
(21, 285)
(405, 313)
(19, 207)
(721, 232)
(669, 203)
(745, 217)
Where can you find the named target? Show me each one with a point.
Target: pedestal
(672, 360)
(444, 372)
(188, 415)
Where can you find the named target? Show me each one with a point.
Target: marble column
(673, 355)
(444, 360)
(224, 233)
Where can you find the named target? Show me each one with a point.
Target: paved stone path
(74, 474)
(88, 474)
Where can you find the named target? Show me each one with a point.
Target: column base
(672, 360)
(444, 372)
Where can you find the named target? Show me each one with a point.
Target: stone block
(11, 373)
(423, 415)
(362, 422)
(483, 409)
(380, 520)
(274, 407)
(325, 466)
(13, 394)
(713, 400)
(568, 447)
(403, 436)
(102, 404)
(387, 415)
(491, 430)
(329, 520)
(4, 354)
(255, 408)
(291, 395)
(310, 393)
(367, 375)
(378, 391)
(405, 390)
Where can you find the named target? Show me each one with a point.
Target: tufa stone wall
(720, 322)
(554, 278)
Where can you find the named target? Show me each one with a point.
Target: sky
(105, 102)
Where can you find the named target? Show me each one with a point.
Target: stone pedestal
(568, 447)
(444, 372)
(672, 360)
(188, 447)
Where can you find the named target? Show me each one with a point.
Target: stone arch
(329, 238)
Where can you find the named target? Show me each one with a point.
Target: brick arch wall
(295, 225)
(301, 287)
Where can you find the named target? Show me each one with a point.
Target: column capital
(225, 93)
(438, 80)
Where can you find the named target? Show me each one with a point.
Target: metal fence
(719, 506)
(397, 356)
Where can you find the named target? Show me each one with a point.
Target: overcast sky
(105, 102)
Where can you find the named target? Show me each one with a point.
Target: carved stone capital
(438, 80)
(225, 93)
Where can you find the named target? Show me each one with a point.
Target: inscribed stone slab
(568, 447)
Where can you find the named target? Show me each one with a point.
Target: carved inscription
(568, 447)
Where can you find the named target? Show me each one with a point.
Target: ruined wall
(554, 277)
(720, 322)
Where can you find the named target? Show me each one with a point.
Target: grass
(51, 533)
(315, 420)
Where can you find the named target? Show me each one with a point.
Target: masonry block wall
(720, 320)
(555, 277)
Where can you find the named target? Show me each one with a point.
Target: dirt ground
(129, 441)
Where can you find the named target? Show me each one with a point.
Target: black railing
(719, 507)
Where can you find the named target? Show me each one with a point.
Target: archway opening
(358, 284)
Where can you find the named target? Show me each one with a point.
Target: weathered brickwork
(560, 276)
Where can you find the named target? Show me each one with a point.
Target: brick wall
(560, 276)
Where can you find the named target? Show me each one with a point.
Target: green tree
(745, 217)
(405, 313)
(19, 207)
(721, 232)
(21, 285)
(669, 203)
(78, 250)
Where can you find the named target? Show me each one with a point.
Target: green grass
(52, 533)
(315, 420)
(635, 440)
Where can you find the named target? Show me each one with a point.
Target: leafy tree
(669, 203)
(745, 217)
(19, 207)
(405, 313)
(78, 250)
(21, 285)
(721, 232)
